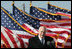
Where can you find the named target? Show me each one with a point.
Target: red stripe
(61, 37)
(69, 40)
(65, 24)
(21, 42)
(49, 21)
(59, 44)
(64, 14)
(60, 32)
(24, 36)
(12, 39)
(53, 26)
(52, 35)
(5, 40)
(27, 28)
(8, 30)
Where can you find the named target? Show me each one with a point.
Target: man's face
(42, 31)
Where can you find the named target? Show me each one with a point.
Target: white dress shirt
(41, 39)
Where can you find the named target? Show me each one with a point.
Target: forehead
(42, 28)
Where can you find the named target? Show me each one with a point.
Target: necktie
(42, 40)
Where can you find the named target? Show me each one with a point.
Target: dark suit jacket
(34, 42)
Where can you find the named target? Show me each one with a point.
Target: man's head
(42, 31)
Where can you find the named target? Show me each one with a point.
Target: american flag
(54, 29)
(59, 10)
(38, 13)
(11, 32)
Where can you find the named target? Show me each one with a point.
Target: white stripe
(60, 41)
(7, 37)
(16, 40)
(31, 28)
(58, 29)
(25, 40)
(21, 32)
(52, 23)
(64, 35)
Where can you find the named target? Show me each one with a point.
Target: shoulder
(33, 38)
(48, 37)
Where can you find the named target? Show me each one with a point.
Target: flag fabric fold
(17, 29)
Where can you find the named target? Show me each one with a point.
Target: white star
(19, 27)
(5, 16)
(30, 18)
(33, 10)
(14, 27)
(38, 16)
(38, 11)
(2, 23)
(41, 13)
(28, 22)
(12, 24)
(16, 10)
(48, 16)
(9, 26)
(15, 14)
(45, 18)
(3, 13)
(35, 23)
(18, 17)
(25, 17)
(45, 14)
(2, 18)
(20, 22)
(22, 14)
(7, 23)
(55, 18)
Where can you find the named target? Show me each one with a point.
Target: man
(41, 41)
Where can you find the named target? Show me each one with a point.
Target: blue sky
(42, 4)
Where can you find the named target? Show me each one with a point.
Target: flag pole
(30, 6)
(30, 3)
(48, 2)
(13, 7)
(24, 7)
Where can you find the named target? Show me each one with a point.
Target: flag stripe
(7, 37)
(5, 40)
(12, 39)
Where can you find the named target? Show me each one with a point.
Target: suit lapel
(38, 41)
